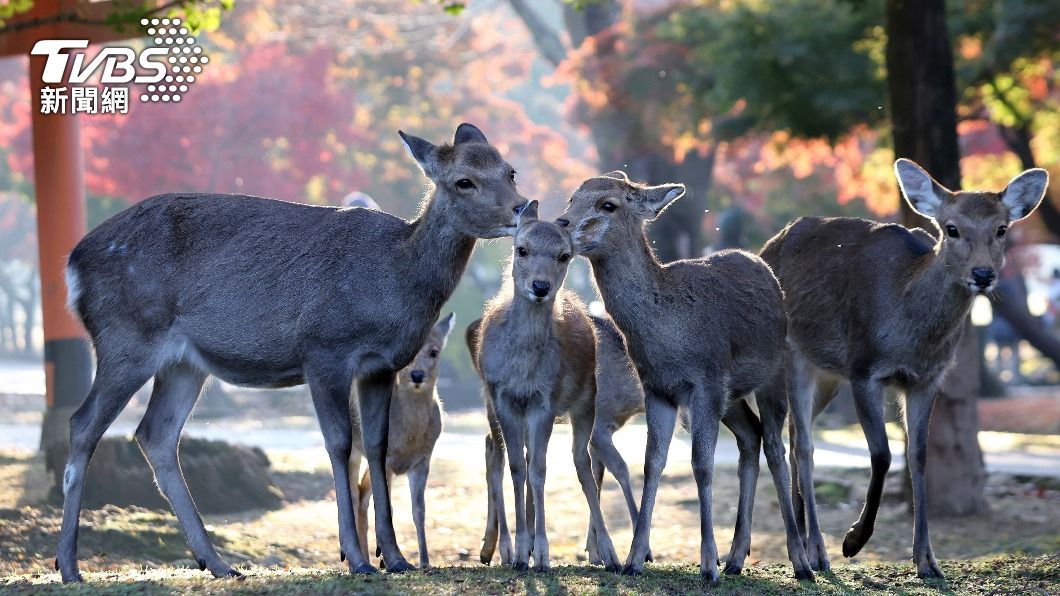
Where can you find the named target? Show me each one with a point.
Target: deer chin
(500, 232)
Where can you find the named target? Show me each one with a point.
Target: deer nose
(562, 222)
(983, 276)
(540, 288)
(417, 376)
(518, 209)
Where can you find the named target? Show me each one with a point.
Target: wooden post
(58, 165)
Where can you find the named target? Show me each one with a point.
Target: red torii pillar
(58, 171)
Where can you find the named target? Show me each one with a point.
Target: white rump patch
(73, 288)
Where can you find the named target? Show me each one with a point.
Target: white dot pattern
(184, 57)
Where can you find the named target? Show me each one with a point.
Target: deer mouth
(978, 289)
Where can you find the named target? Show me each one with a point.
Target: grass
(1005, 575)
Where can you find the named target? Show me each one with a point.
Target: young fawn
(880, 305)
(536, 357)
(704, 334)
(267, 293)
(618, 398)
(415, 425)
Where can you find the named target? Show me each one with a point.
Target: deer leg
(539, 421)
(868, 402)
(918, 405)
(496, 471)
(364, 497)
(114, 385)
(489, 537)
(704, 408)
(602, 448)
(743, 422)
(417, 487)
(598, 477)
(801, 397)
(773, 406)
(661, 416)
(375, 393)
(330, 390)
(175, 393)
(583, 427)
(511, 424)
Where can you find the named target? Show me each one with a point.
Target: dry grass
(295, 549)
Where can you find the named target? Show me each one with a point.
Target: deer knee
(881, 462)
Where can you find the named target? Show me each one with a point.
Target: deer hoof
(364, 569)
(805, 574)
(732, 569)
(632, 571)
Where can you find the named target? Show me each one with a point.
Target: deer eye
(609, 207)
(465, 184)
(520, 251)
(1002, 231)
(512, 176)
(563, 258)
(434, 353)
(951, 231)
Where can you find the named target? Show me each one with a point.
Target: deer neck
(531, 323)
(629, 280)
(436, 252)
(938, 299)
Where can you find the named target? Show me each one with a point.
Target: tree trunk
(923, 101)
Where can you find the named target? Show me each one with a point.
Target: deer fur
(266, 293)
(883, 306)
(415, 425)
(537, 359)
(618, 398)
(704, 334)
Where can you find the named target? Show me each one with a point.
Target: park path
(464, 431)
(463, 438)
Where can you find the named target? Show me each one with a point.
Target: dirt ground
(303, 534)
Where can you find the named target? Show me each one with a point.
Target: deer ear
(920, 190)
(424, 152)
(445, 327)
(1024, 193)
(654, 199)
(617, 175)
(529, 213)
(468, 133)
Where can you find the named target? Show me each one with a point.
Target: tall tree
(923, 107)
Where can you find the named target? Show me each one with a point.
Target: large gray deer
(267, 293)
(882, 306)
(704, 334)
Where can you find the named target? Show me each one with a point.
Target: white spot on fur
(73, 288)
(69, 475)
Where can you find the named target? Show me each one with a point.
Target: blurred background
(766, 110)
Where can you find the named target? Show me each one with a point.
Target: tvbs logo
(167, 69)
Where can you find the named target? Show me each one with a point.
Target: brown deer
(704, 334)
(415, 425)
(536, 356)
(267, 293)
(881, 305)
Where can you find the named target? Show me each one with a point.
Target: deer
(536, 356)
(266, 293)
(705, 334)
(618, 398)
(883, 306)
(415, 425)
